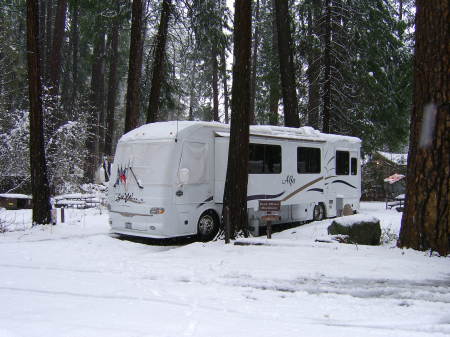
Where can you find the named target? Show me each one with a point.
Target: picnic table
(398, 201)
(77, 200)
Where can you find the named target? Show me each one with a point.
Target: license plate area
(128, 225)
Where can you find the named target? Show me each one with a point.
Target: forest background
(352, 74)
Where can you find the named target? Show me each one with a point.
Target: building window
(342, 162)
(308, 160)
(264, 159)
(354, 166)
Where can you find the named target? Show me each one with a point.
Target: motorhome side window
(264, 159)
(342, 162)
(308, 160)
(354, 166)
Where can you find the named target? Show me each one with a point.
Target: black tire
(207, 226)
(319, 212)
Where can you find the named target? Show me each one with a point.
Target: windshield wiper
(137, 181)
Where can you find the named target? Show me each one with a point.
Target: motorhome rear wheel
(319, 212)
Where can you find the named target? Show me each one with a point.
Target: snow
(394, 178)
(169, 130)
(165, 130)
(428, 125)
(75, 196)
(74, 279)
(349, 220)
(397, 158)
(15, 196)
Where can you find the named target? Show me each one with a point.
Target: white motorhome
(168, 178)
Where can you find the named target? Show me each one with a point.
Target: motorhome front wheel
(208, 226)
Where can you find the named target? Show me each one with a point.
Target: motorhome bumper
(140, 234)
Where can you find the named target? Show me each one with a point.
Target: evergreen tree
(287, 69)
(134, 68)
(426, 220)
(235, 193)
(158, 62)
(38, 165)
(208, 20)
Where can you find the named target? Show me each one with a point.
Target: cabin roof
(14, 196)
(169, 130)
(396, 158)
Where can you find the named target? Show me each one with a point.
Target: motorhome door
(193, 177)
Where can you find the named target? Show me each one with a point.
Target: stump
(347, 210)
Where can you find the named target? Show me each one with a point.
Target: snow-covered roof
(15, 196)
(394, 178)
(75, 196)
(397, 158)
(169, 130)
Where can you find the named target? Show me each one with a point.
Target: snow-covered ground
(74, 279)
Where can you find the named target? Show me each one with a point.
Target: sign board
(271, 217)
(269, 205)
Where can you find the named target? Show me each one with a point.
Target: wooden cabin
(380, 166)
(15, 201)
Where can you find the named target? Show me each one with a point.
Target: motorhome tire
(208, 226)
(319, 212)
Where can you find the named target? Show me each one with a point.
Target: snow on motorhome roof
(304, 132)
(165, 130)
(169, 130)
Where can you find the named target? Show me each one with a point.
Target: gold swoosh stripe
(302, 188)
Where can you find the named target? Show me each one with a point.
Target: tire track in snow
(437, 291)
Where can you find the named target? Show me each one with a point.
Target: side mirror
(183, 176)
(100, 176)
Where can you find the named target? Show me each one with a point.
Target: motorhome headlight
(157, 210)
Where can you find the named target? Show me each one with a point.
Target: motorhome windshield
(150, 162)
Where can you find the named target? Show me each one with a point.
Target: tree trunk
(75, 37)
(41, 34)
(100, 94)
(38, 166)
(192, 92)
(235, 194)
(112, 85)
(426, 220)
(134, 68)
(215, 84)
(274, 89)
(254, 64)
(313, 72)
(158, 63)
(97, 96)
(327, 70)
(223, 67)
(287, 69)
(48, 39)
(58, 36)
